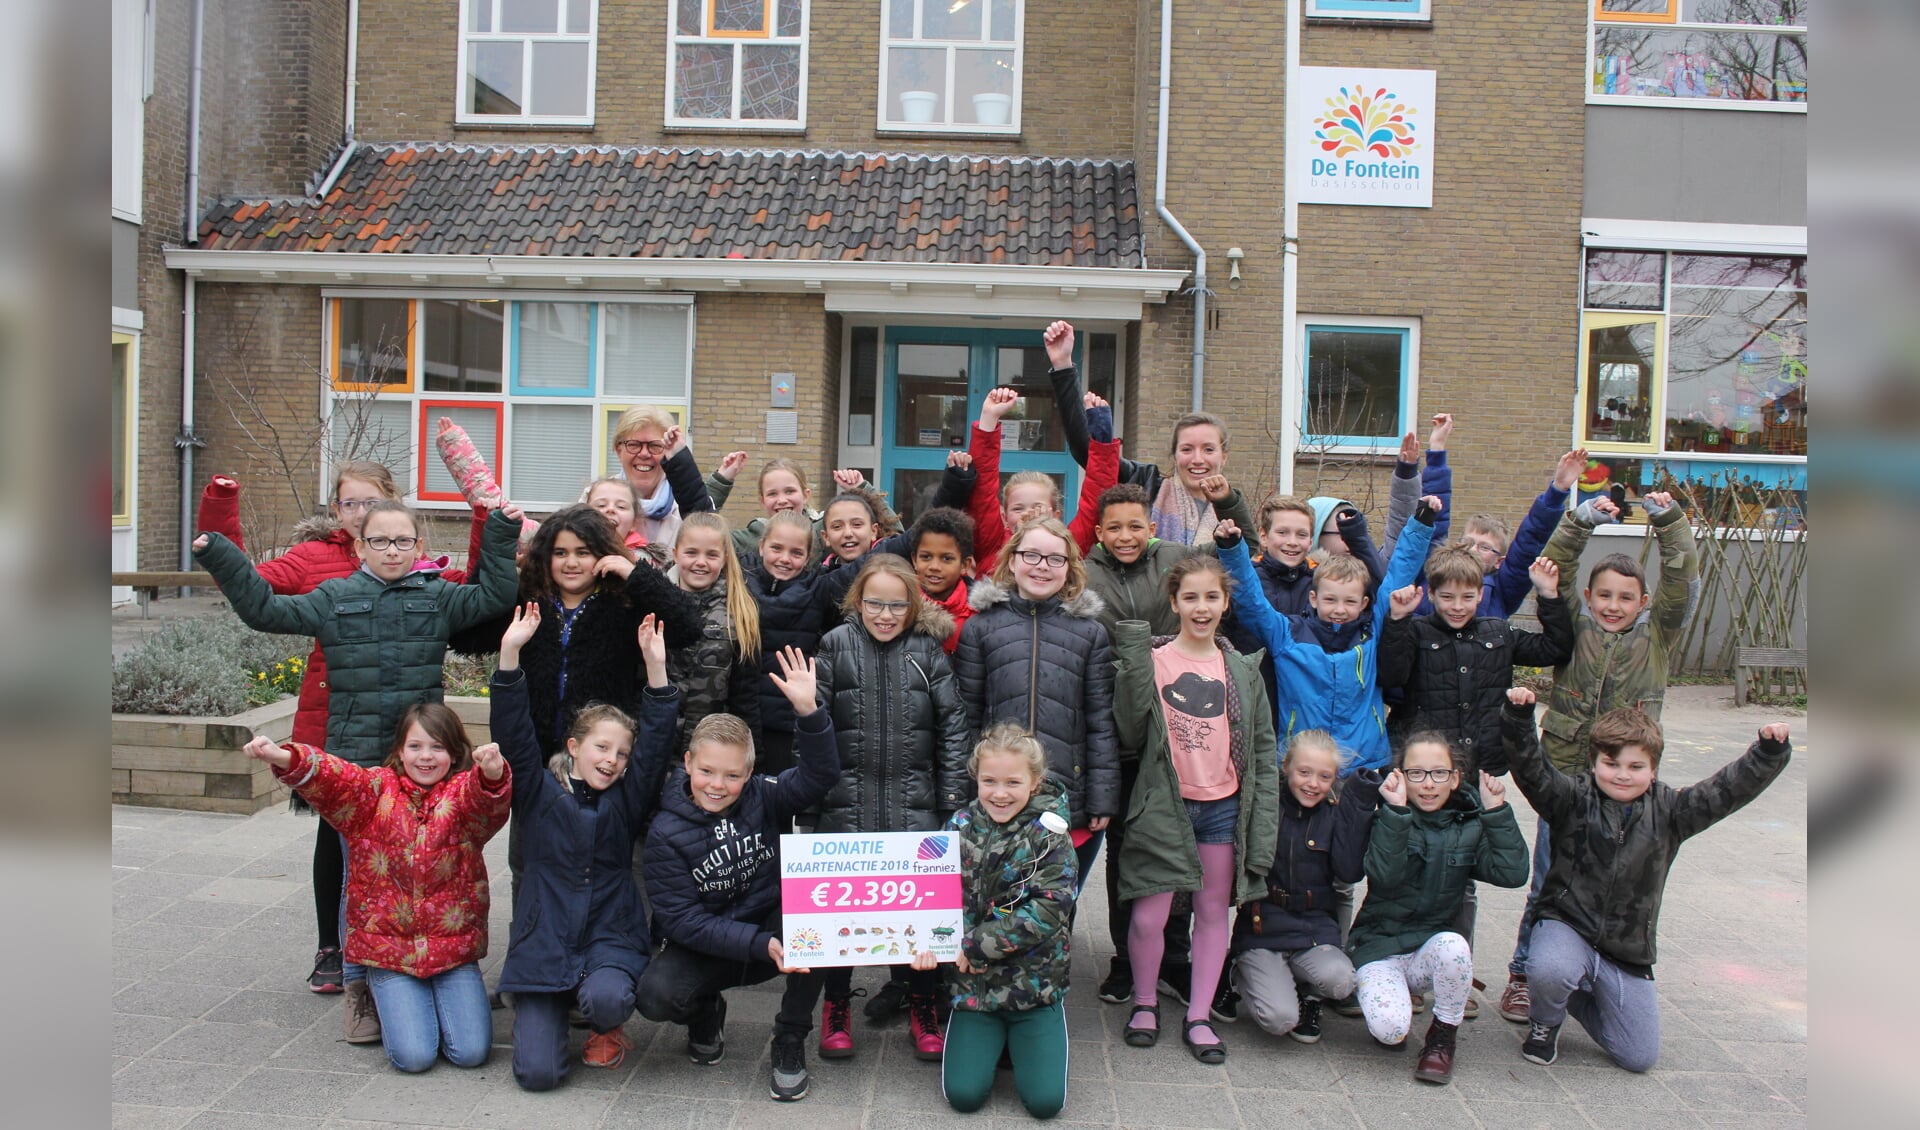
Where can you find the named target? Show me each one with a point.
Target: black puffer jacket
(901, 728)
(1457, 679)
(712, 674)
(1317, 847)
(1049, 667)
(793, 613)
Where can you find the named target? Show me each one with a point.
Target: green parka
(1138, 591)
(1158, 853)
(384, 641)
(1614, 669)
(1418, 865)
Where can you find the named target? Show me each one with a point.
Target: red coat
(990, 531)
(328, 553)
(416, 882)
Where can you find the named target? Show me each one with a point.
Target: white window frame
(420, 442)
(1594, 23)
(1401, 11)
(132, 41)
(1310, 443)
(734, 122)
(462, 116)
(891, 125)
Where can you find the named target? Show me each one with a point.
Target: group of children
(1254, 737)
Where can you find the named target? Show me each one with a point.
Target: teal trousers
(1036, 1040)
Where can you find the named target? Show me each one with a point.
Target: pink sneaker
(923, 1021)
(836, 1028)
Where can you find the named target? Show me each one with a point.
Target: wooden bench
(1747, 661)
(146, 586)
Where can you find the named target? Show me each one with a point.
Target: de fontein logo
(1355, 121)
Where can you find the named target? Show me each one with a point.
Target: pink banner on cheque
(877, 898)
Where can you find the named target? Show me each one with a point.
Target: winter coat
(1614, 669)
(1457, 680)
(593, 653)
(1047, 666)
(1018, 894)
(1335, 691)
(990, 532)
(416, 882)
(1506, 588)
(384, 641)
(579, 909)
(1419, 863)
(713, 675)
(793, 613)
(322, 550)
(900, 727)
(1315, 848)
(1405, 492)
(1159, 853)
(1138, 591)
(714, 878)
(1610, 860)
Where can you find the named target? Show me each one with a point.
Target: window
(1743, 53)
(1371, 9)
(527, 61)
(122, 441)
(951, 66)
(737, 63)
(536, 382)
(1360, 382)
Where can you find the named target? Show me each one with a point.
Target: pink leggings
(1211, 932)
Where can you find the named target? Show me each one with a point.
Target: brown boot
(363, 1020)
(1436, 1057)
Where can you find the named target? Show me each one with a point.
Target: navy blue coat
(793, 613)
(1316, 846)
(714, 877)
(579, 909)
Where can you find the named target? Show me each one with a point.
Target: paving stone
(160, 1082)
(1428, 1108)
(241, 1045)
(299, 1094)
(436, 1098)
(170, 998)
(296, 1010)
(227, 1120)
(138, 1035)
(1165, 1104)
(640, 1111)
(127, 1116)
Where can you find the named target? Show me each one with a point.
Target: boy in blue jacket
(712, 862)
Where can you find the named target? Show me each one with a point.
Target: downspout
(353, 68)
(1166, 214)
(1292, 386)
(186, 441)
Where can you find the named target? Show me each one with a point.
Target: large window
(1361, 380)
(950, 66)
(527, 61)
(1744, 53)
(737, 63)
(535, 382)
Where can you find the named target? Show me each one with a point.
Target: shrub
(205, 665)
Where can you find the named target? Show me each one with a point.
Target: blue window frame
(1360, 382)
(1371, 9)
(553, 345)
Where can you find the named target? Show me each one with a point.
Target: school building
(826, 228)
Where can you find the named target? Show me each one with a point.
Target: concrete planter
(181, 761)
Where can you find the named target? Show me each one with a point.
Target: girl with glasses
(902, 733)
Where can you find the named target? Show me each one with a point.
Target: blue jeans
(348, 970)
(1621, 1011)
(604, 997)
(1542, 859)
(423, 1018)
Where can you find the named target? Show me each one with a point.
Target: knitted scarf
(1179, 517)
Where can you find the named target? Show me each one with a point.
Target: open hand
(526, 621)
(1571, 466)
(1493, 791)
(959, 460)
(1546, 577)
(1522, 696)
(1058, 337)
(487, 759)
(1393, 790)
(1409, 448)
(730, 464)
(798, 680)
(1774, 732)
(998, 403)
(1216, 488)
(1442, 430)
(269, 751)
(653, 642)
(846, 478)
(778, 953)
(1402, 601)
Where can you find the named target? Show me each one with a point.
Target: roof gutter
(1172, 221)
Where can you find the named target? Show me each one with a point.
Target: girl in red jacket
(417, 892)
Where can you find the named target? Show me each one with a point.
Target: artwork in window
(790, 18)
(703, 81)
(738, 17)
(482, 425)
(1355, 380)
(373, 342)
(769, 82)
(1637, 11)
(1652, 62)
(1737, 356)
(1621, 370)
(646, 353)
(552, 452)
(1750, 495)
(463, 345)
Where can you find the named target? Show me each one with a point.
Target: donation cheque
(870, 898)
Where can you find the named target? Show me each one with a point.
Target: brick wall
(1077, 95)
(1490, 269)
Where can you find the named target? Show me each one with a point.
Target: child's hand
(513, 511)
(1226, 532)
(1409, 448)
(1393, 790)
(526, 621)
(1521, 696)
(653, 642)
(677, 440)
(1432, 503)
(797, 680)
(999, 402)
(1600, 511)
(487, 759)
(778, 953)
(959, 460)
(615, 564)
(225, 481)
(730, 464)
(269, 751)
(1657, 501)
(200, 542)
(1098, 823)
(961, 963)
(1571, 466)
(1058, 337)
(1493, 792)
(846, 478)
(1216, 488)
(924, 961)
(1774, 732)
(1442, 429)
(1546, 577)
(1402, 601)
(1091, 400)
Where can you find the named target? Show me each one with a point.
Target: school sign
(1362, 136)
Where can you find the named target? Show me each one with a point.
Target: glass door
(937, 378)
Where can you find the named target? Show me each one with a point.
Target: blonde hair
(792, 518)
(640, 416)
(1023, 478)
(612, 480)
(894, 566)
(791, 467)
(743, 613)
(1076, 569)
(1493, 526)
(1010, 737)
(375, 475)
(1320, 740)
(1283, 503)
(1456, 564)
(723, 729)
(1341, 569)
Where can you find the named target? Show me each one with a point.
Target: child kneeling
(1010, 979)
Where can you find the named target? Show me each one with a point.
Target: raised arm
(683, 476)
(1505, 860)
(220, 509)
(1387, 858)
(1705, 803)
(1553, 794)
(340, 791)
(1250, 601)
(816, 756)
(1403, 490)
(1133, 692)
(1569, 541)
(467, 605)
(1065, 379)
(1510, 582)
(1352, 825)
(1353, 531)
(1102, 473)
(1679, 568)
(509, 714)
(252, 599)
(659, 723)
(1409, 557)
(983, 447)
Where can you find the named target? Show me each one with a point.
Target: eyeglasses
(381, 544)
(636, 446)
(1050, 560)
(351, 504)
(1420, 776)
(886, 607)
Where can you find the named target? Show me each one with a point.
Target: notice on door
(870, 898)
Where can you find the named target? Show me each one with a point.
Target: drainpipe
(1292, 386)
(186, 441)
(1166, 214)
(353, 67)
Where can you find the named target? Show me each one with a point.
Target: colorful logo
(933, 847)
(1357, 121)
(807, 940)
